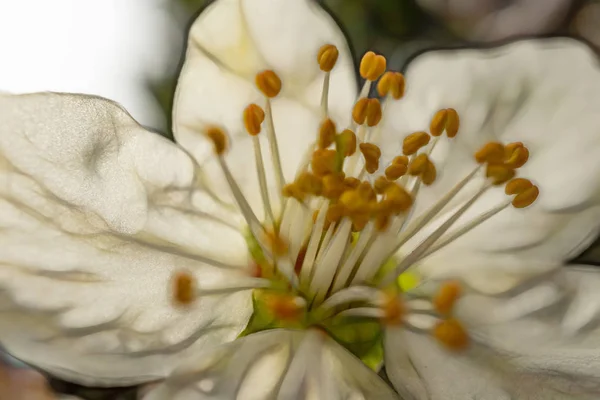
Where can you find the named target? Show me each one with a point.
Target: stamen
(219, 139)
(516, 155)
(184, 288)
(499, 174)
(253, 118)
(391, 83)
(346, 143)
(326, 134)
(413, 142)
(247, 283)
(492, 152)
(327, 58)
(285, 307)
(313, 243)
(367, 110)
(372, 66)
(371, 153)
(268, 83)
(451, 333)
(526, 197)
(446, 297)
(394, 310)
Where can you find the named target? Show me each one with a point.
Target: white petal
(96, 215)
(275, 364)
(229, 43)
(111, 48)
(541, 92)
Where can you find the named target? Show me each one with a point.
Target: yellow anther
(451, 333)
(397, 198)
(326, 133)
(351, 182)
(452, 122)
(253, 118)
(365, 189)
(346, 142)
(276, 243)
(371, 153)
(323, 162)
(359, 221)
(526, 197)
(517, 185)
(400, 160)
(310, 184)
(492, 152)
(218, 137)
(353, 202)
(380, 184)
(268, 83)
(285, 307)
(446, 297)
(413, 142)
(418, 165)
(372, 66)
(499, 173)
(515, 155)
(438, 123)
(394, 309)
(333, 186)
(395, 171)
(292, 190)
(184, 288)
(391, 83)
(367, 110)
(327, 57)
(429, 174)
(335, 212)
(382, 222)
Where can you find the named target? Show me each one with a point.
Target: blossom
(240, 262)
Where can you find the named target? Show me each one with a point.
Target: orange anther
(333, 186)
(371, 153)
(446, 297)
(451, 333)
(526, 197)
(276, 243)
(309, 183)
(372, 66)
(400, 160)
(515, 155)
(517, 185)
(218, 137)
(285, 307)
(268, 83)
(394, 310)
(184, 288)
(429, 174)
(323, 162)
(335, 212)
(326, 134)
(413, 142)
(346, 142)
(381, 183)
(491, 152)
(351, 182)
(499, 174)
(367, 110)
(253, 118)
(418, 165)
(452, 122)
(397, 198)
(391, 83)
(395, 171)
(292, 190)
(327, 57)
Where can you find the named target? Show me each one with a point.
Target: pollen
(367, 110)
(327, 57)
(184, 288)
(326, 134)
(218, 137)
(451, 334)
(413, 142)
(394, 310)
(372, 66)
(446, 297)
(268, 83)
(371, 153)
(391, 83)
(253, 118)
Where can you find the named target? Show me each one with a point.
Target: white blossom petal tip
(97, 215)
(275, 364)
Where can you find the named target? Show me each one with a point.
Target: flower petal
(541, 92)
(274, 364)
(96, 215)
(229, 43)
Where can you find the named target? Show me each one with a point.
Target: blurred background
(130, 51)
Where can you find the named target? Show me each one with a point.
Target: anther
(400, 160)
(393, 310)
(499, 174)
(346, 143)
(429, 174)
(492, 152)
(413, 142)
(323, 162)
(418, 165)
(184, 288)
(292, 190)
(333, 185)
(526, 197)
(367, 110)
(397, 198)
(326, 134)
(351, 182)
(253, 118)
(309, 183)
(516, 155)
(391, 83)
(451, 333)
(268, 83)
(371, 153)
(438, 123)
(335, 212)
(517, 185)
(446, 297)
(380, 184)
(372, 66)
(285, 307)
(218, 137)
(452, 122)
(395, 171)
(327, 57)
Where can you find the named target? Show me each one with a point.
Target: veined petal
(524, 345)
(540, 92)
(274, 364)
(229, 43)
(96, 215)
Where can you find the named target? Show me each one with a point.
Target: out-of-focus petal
(275, 364)
(96, 215)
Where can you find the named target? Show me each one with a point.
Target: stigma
(332, 243)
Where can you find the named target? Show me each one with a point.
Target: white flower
(127, 258)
